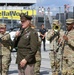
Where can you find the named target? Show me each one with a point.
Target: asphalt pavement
(45, 68)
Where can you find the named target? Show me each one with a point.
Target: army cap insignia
(2, 25)
(69, 21)
(24, 16)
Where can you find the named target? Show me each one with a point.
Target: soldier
(54, 35)
(37, 56)
(27, 46)
(5, 48)
(68, 53)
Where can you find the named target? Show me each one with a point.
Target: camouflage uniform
(68, 54)
(54, 54)
(37, 56)
(5, 48)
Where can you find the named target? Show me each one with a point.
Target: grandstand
(17, 2)
(10, 10)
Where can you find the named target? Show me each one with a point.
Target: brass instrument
(56, 28)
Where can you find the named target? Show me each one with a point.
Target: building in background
(10, 10)
(62, 18)
(17, 2)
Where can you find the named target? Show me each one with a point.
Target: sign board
(14, 14)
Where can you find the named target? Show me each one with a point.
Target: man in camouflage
(5, 49)
(54, 35)
(27, 46)
(68, 53)
(38, 55)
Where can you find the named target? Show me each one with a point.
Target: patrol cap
(69, 21)
(2, 25)
(55, 22)
(24, 17)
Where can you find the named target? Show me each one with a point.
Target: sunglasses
(23, 21)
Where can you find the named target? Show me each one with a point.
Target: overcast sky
(55, 4)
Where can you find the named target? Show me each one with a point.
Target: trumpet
(56, 28)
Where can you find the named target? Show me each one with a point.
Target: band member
(38, 55)
(68, 53)
(5, 49)
(53, 36)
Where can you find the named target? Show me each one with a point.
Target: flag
(66, 7)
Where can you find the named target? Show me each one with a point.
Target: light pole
(66, 9)
(43, 12)
(59, 14)
(33, 14)
(73, 12)
(49, 17)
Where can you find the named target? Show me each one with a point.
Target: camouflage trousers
(55, 60)
(68, 62)
(38, 63)
(5, 64)
(0, 63)
(62, 61)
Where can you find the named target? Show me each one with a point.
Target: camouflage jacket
(5, 44)
(70, 43)
(69, 48)
(53, 38)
